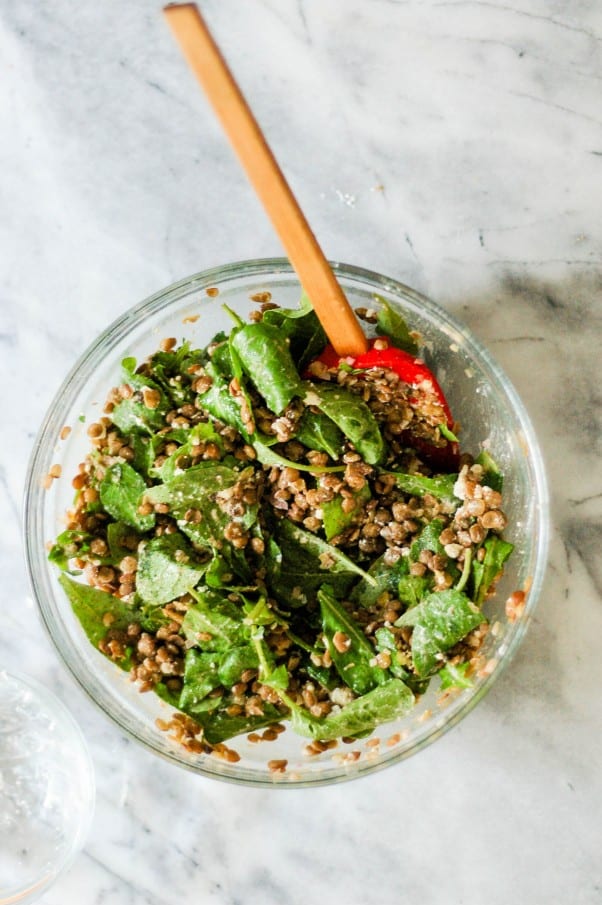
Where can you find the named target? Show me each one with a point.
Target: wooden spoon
(306, 256)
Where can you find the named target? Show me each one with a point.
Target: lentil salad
(270, 536)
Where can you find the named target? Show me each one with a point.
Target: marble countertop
(454, 145)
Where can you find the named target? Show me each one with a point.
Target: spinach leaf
(352, 416)
(200, 433)
(428, 539)
(390, 321)
(266, 359)
(317, 431)
(353, 664)
(454, 675)
(336, 520)
(384, 703)
(440, 486)
(383, 577)
(144, 448)
(200, 679)
(219, 726)
(122, 541)
(215, 623)
(219, 402)
(385, 641)
(91, 605)
(300, 562)
(440, 620)
(131, 416)
(484, 573)
(268, 456)
(121, 491)
(196, 488)
(302, 328)
(69, 544)
(166, 569)
(492, 475)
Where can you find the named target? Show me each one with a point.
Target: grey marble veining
(456, 146)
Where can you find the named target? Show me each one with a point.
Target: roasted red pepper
(414, 372)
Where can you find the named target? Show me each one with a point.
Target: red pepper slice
(412, 371)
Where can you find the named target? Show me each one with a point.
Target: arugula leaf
(353, 664)
(121, 490)
(440, 486)
(335, 519)
(266, 359)
(455, 676)
(166, 569)
(484, 573)
(391, 322)
(384, 703)
(440, 620)
(317, 431)
(352, 416)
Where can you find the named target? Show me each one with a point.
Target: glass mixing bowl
(483, 401)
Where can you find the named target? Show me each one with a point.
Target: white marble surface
(454, 145)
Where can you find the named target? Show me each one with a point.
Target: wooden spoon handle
(306, 256)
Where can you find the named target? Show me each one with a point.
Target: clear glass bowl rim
(160, 300)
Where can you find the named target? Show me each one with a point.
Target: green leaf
(219, 726)
(200, 679)
(454, 676)
(131, 416)
(382, 577)
(121, 491)
(484, 573)
(268, 456)
(304, 562)
(391, 322)
(353, 664)
(352, 416)
(336, 520)
(440, 486)
(381, 705)
(69, 544)
(266, 359)
(122, 541)
(440, 620)
(492, 475)
(302, 328)
(428, 539)
(200, 433)
(91, 606)
(197, 488)
(214, 623)
(385, 641)
(166, 569)
(315, 430)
